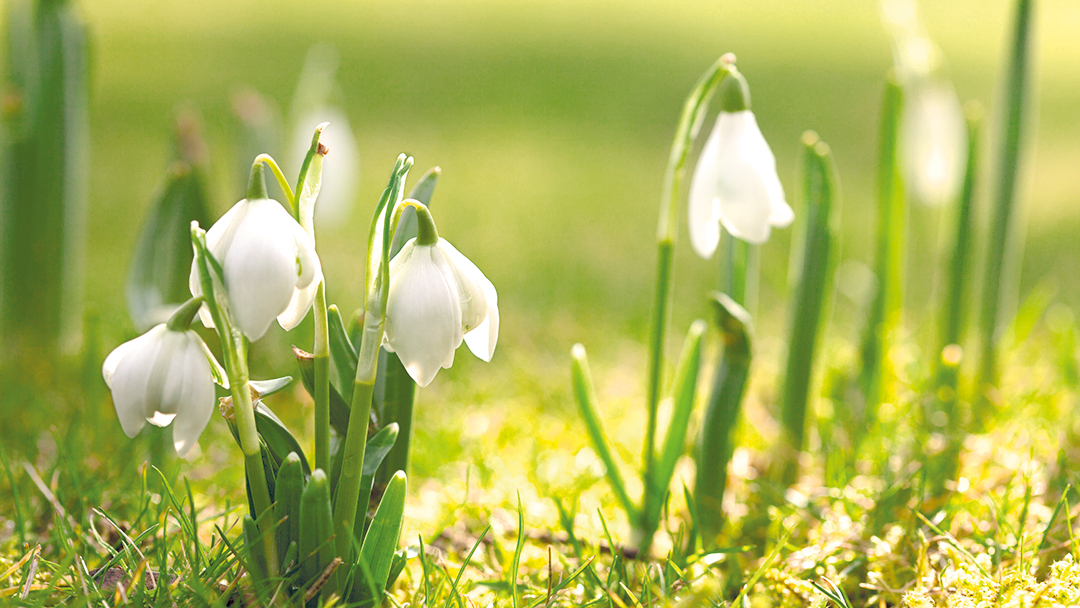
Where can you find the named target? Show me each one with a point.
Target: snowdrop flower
(735, 181)
(437, 298)
(269, 262)
(161, 377)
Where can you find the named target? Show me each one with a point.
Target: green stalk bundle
(44, 176)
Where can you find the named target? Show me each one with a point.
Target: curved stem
(269, 161)
(689, 124)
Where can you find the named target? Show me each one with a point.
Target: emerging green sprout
(735, 181)
(163, 376)
(268, 262)
(437, 298)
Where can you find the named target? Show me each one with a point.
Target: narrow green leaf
(342, 354)
(256, 559)
(265, 388)
(287, 494)
(381, 540)
(686, 374)
(276, 437)
(378, 446)
(516, 564)
(812, 265)
(586, 398)
(395, 402)
(884, 314)
(1004, 246)
(339, 408)
(158, 278)
(316, 529)
(717, 443)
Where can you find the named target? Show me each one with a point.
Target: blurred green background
(552, 121)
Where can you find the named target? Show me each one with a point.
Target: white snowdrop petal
(129, 379)
(703, 212)
(470, 286)
(260, 268)
(423, 319)
(481, 341)
(195, 400)
(744, 206)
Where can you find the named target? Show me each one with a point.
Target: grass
(551, 123)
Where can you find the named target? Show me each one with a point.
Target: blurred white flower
(163, 376)
(269, 262)
(933, 142)
(437, 298)
(735, 184)
(341, 166)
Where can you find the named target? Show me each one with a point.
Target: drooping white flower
(161, 377)
(268, 261)
(735, 184)
(438, 298)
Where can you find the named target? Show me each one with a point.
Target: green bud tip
(183, 317)
(257, 182)
(426, 234)
(734, 92)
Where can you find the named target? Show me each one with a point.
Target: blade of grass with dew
(717, 443)
(884, 315)
(684, 389)
(1004, 247)
(586, 398)
(812, 265)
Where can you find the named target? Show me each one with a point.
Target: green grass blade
(884, 314)
(381, 540)
(684, 388)
(717, 441)
(1004, 247)
(813, 263)
(515, 565)
(586, 398)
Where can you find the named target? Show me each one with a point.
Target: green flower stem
(352, 464)
(693, 114)
(717, 442)
(1003, 248)
(739, 272)
(269, 161)
(884, 313)
(234, 349)
(322, 380)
